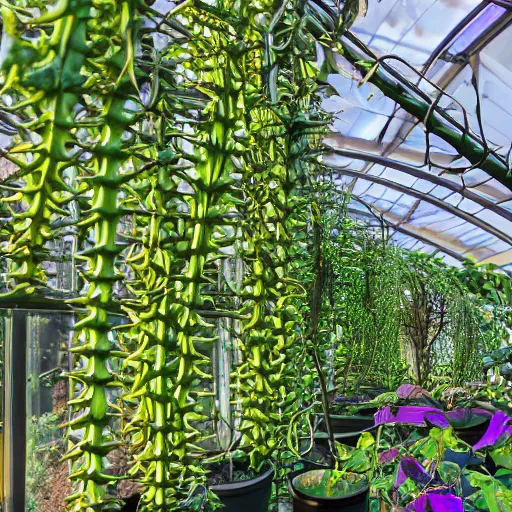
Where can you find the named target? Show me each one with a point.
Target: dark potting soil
(220, 473)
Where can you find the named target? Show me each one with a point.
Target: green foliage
(43, 451)
(397, 315)
(71, 106)
(231, 93)
(165, 143)
(365, 284)
(432, 449)
(284, 127)
(493, 289)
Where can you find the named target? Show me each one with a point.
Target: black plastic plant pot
(342, 424)
(349, 424)
(347, 429)
(246, 496)
(472, 435)
(310, 494)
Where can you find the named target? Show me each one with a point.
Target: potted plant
(338, 487)
(241, 488)
(426, 467)
(434, 472)
(468, 416)
(363, 302)
(350, 416)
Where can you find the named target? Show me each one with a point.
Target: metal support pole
(15, 420)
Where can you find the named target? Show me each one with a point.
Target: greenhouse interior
(256, 255)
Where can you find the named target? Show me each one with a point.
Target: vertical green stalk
(90, 439)
(93, 330)
(182, 227)
(44, 76)
(284, 125)
(160, 430)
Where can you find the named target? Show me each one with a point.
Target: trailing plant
(157, 428)
(112, 31)
(41, 76)
(73, 106)
(285, 124)
(439, 314)
(366, 304)
(42, 81)
(183, 215)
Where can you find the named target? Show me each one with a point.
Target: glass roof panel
(380, 148)
(411, 28)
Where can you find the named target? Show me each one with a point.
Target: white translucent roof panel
(378, 149)
(410, 29)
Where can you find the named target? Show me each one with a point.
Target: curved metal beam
(409, 233)
(431, 178)
(459, 62)
(503, 3)
(429, 199)
(438, 51)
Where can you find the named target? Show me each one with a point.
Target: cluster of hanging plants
(162, 142)
(396, 315)
(365, 301)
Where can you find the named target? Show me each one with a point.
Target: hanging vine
(41, 74)
(112, 109)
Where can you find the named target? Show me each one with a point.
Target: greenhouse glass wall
(256, 256)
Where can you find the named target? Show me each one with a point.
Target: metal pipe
(432, 178)
(419, 104)
(429, 199)
(15, 420)
(407, 232)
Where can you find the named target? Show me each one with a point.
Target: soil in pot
(240, 490)
(348, 424)
(317, 491)
(131, 503)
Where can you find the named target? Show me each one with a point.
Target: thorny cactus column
(157, 423)
(75, 99)
(94, 328)
(183, 225)
(284, 125)
(208, 205)
(160, 430)
(42, 77)
(111, 31)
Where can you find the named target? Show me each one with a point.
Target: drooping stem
(316, 308)
(43, 165)
(93, 329)
(441, 124)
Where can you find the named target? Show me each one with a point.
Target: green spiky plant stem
(156, 421)
(181, 240)
(89, 438)
(93, 329)
(48, 81)
(286, 127)
(161, 453)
